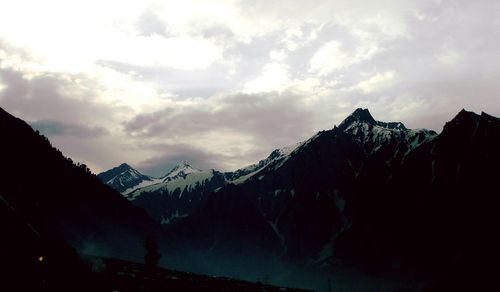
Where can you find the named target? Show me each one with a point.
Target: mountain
(371, 196)
(301, 191)
(178, 193)
(66, 199)
(124, 178)
(365, 204)
(34, 258)
(183, 189)
(170, 197)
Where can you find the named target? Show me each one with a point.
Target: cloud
(56, 128)
(376, 82)
(274, 76)
(238, 128)
(450, 57)
(222, 83)
(330, 57)
(264, 116)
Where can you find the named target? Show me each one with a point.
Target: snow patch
(176, 215)
(182, 183)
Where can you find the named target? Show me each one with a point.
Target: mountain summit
(123, 177)
(359, 115)
(183, 168)
(364, 116)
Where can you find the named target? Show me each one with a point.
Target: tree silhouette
(152, 255)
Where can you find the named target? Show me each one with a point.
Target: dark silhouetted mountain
(33, 258)
(66, 199)
(437, 211)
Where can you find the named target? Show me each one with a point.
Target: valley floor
(124, 276)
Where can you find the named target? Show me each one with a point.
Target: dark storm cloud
(57, 128)
(270, 118)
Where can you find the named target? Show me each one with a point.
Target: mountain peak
(183, 163)
(464, 114)
(122, 177)
(182, 168)
(124, 166)
(361, 115)
(467, 123)
(463, 118)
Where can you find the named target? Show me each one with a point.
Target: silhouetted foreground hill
(33, 258)
(49, 190)
(47, 202)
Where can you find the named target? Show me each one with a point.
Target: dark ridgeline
(47, 189)
(47, 201)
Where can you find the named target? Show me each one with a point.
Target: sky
(220, 84)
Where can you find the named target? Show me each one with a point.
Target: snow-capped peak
(363, 116)
(373, 134)
(123, 177)
(181, 169)
(358, 116)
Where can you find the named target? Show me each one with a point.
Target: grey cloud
(433, 91)
(48, 96)
(67, 112)
(57, 128)
(184, 84)
(424, 92)
(150, 23)
(271, 118)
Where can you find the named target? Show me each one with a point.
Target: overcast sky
(223, 83)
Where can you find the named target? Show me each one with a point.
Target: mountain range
(367, 194)
(367, 205)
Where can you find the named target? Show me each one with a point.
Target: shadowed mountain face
(371, 195)
(304, 197)
(50, 192)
